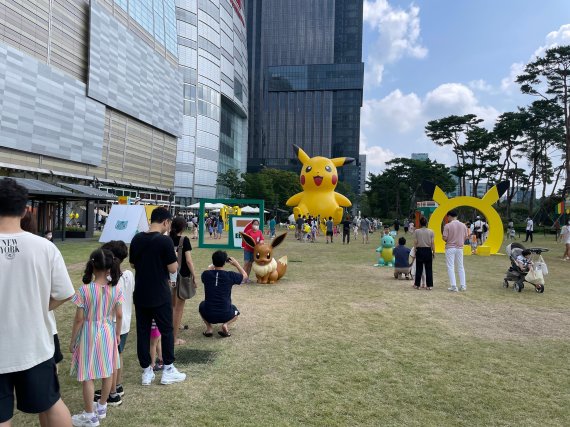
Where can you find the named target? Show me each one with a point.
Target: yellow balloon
(484, 205)
(319, 178)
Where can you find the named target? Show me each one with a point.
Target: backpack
(485, 227)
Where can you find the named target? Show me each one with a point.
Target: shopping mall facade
(142, 98)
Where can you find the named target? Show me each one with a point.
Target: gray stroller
(515, 273)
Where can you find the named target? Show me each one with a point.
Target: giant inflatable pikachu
(318, 179)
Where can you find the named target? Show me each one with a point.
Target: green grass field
(339, 342)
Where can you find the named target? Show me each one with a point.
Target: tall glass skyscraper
(213, 60)
(306, 80)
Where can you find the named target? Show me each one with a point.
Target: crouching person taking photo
(217, 306)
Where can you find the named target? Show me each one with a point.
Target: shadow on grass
(185, 356)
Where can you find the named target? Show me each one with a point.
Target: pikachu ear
(496, 192)
(434, 191)
(301, 155)
(341, 161)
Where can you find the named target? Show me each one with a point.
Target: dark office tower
(306, 77)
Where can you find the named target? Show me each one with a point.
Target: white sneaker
(84, 420)
(147, 376)
(463, 288)
(171, 375)
(453, 289)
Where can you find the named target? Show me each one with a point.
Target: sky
(428, 59)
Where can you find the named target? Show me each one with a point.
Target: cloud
(554, 38)
(456, 98)
(398, 36)
(393, 126)
(480, 85)
(559, 37)
(508, 84)
(376, 157)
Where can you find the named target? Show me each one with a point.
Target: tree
(544, 132)
(395, 191)
(233, 181)
(273, 185)
(452, 131)
(508, 137)
(548, 77)
(480, 158)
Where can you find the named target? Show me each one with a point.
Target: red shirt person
(251, 229)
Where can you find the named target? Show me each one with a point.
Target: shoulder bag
(184, 288)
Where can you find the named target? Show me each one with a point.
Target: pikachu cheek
(302, 179)
(334, 179)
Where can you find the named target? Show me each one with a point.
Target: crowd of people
(164, 278)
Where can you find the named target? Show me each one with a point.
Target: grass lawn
(340, 342)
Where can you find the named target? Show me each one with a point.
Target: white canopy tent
(207, 206)
(249, 209)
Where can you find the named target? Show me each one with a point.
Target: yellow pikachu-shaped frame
(319, 178)
(483, 205)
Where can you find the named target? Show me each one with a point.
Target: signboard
(232, 242)
(123, 222)
(238, 224)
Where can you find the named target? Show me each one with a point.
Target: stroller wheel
(519, 287)
(505, 283)
(540, 289)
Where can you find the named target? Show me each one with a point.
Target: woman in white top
(565, 236)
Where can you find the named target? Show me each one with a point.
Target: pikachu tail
(281, 267)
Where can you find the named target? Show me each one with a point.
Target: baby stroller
(518, 275)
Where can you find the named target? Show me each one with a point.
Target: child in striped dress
(95, 337)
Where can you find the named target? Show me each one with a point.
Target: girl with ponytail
(95, 336)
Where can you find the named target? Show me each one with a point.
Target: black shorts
(216, 317)
(37, 390)
(123, 342)
(329, 233)
(57, 356)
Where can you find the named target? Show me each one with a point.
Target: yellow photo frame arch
(483, 205)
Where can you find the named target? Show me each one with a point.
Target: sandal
(208, 334)
(224, 334)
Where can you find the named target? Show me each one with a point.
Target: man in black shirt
(346, 230)
(153, 257)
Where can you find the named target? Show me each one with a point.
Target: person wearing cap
(156, 265)
(454, 235)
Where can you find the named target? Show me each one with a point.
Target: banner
(238, 224)
(123, 222)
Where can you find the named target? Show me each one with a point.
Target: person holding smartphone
(217, 306)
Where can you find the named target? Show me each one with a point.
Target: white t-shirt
(478, 225)
(31, 271)
(565, 234)
(52, 322)
(127, 285)
(529, 225)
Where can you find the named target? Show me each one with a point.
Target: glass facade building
(213, 61)
(306, 76)
(91, 93)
